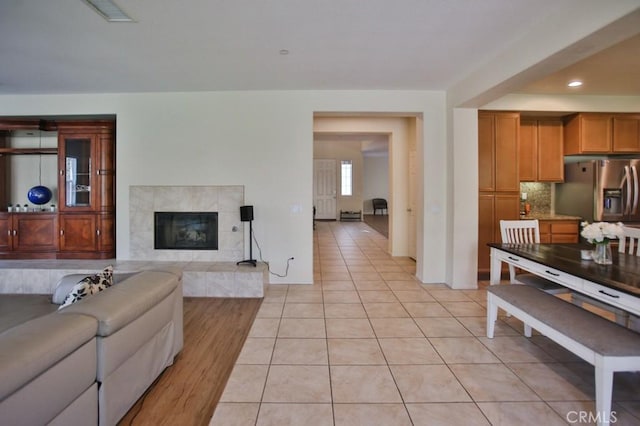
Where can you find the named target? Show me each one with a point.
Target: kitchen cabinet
(541, 150)
(28, 235)
(626, 133)
(498, 134)
(498, 184)
(559, 231)
(602, 133)
(588, 133)
(491, 209)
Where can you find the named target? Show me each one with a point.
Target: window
(346, 177)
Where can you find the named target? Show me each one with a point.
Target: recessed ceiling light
(575, 83)
(284, 52)
(109, 10)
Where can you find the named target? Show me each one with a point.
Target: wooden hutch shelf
(83, 224)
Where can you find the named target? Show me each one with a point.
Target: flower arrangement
(601, 232)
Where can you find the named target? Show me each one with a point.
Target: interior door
(324, 188)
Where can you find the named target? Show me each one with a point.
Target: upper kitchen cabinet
(541, 150)
(588, 133)
(602, 133)
(626, 133)
(498, 134)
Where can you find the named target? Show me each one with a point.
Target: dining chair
(629, 243)
(526, 232)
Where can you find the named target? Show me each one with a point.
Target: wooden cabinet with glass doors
(81, 225)
(86, 196)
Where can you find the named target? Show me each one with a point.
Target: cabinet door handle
(61, 232)
(97, 232)
(9, 232)
(61, 172)
(15, 232)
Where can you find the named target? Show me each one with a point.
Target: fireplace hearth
(186, 230)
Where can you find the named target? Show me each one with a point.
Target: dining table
(617, 284)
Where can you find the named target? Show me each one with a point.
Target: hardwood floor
(187, 392)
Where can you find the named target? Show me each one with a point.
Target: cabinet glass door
(78, 184)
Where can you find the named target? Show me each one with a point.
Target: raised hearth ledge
(200, 279)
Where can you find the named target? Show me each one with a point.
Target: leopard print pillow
(89, 285)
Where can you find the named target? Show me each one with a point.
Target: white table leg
(492, 315)
(604, 390)
(496, 267)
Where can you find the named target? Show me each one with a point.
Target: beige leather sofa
(88, 363)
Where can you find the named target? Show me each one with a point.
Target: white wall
(262, 140)
(376, 180)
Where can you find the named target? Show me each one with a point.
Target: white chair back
(630, 242)
(520, 231)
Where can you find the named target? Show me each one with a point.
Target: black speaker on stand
(246, 215)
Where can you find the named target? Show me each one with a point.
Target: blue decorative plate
(39, 194)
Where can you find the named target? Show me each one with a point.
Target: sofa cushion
(29, 349)
(126, 301)
(16, 309)
(90, 285)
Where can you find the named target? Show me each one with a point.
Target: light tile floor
(367, 344)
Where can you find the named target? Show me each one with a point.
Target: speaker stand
(251, 260)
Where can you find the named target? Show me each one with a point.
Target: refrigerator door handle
(626, 181)
(635, 190)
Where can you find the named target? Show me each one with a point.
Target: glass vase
(602, 254)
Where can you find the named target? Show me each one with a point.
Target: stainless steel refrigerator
(601, 190)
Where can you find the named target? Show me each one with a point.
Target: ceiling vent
(109, 10)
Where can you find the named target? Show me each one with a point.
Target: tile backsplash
(539, 196)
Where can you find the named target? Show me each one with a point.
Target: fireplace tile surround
(144, 201)
(206, 273)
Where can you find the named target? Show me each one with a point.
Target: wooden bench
(606, 345)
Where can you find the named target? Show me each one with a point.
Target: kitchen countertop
(549, 216)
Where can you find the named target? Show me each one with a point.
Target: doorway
(403, 133)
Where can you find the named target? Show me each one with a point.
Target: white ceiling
(612, 71)
(63, 46)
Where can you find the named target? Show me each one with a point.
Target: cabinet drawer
(564, 238)
(559, 277)
(612, 297)
(549, 273)
(545, 227)
(564, 228)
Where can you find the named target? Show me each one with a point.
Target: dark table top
(623, 275)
